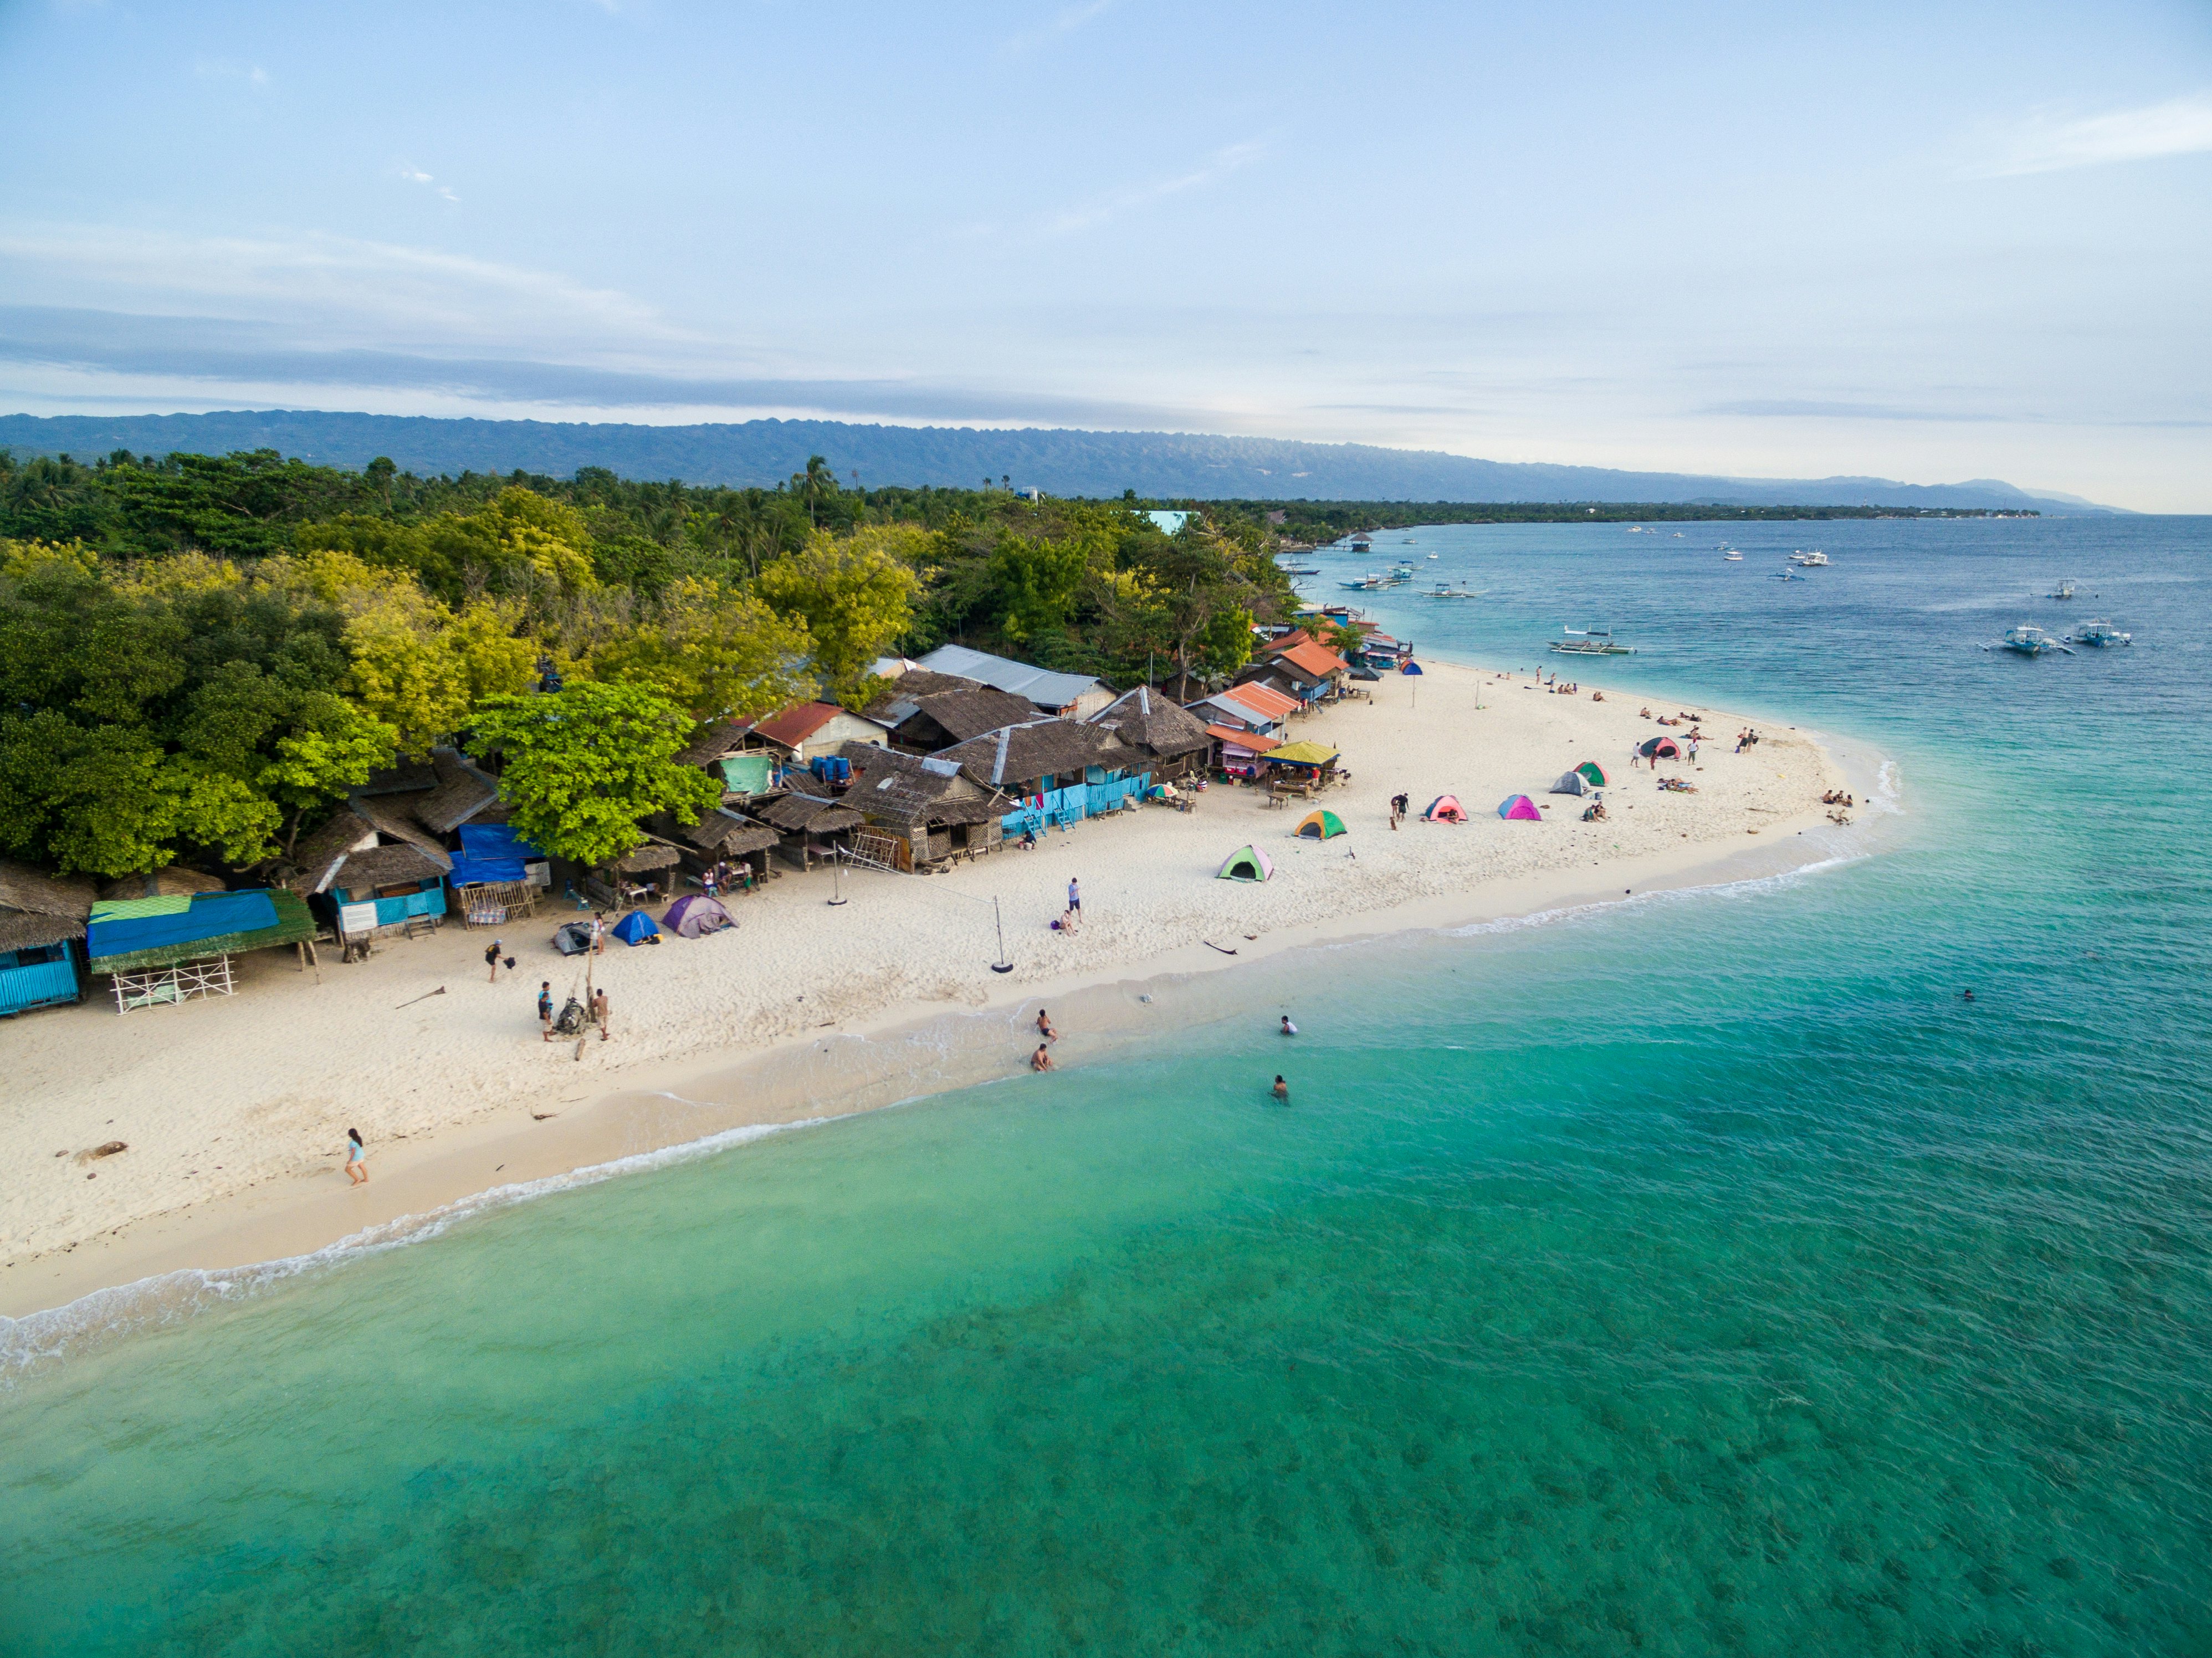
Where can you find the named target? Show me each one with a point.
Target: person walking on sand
(1041, 1060)
(545, 1010)
(356, 1159)
(1282, 1089)
(1074, 899)
(491, 959)
(599, 1011)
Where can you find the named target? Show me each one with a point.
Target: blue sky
(1931, 242)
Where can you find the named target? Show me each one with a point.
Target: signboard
(356, 918)
(541, 872)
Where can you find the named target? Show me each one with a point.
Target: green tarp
(747, 773)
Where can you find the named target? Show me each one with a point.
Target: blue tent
(1411, 666)
(635, 928)
(491, 852)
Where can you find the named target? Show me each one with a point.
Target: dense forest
(200, 654)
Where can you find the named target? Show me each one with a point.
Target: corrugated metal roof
(1044, 686)
(1269, 705)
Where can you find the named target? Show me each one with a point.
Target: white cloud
(1066, 21)
(415, 175)
(345, 284)
(1096, 211)
(2048, 142)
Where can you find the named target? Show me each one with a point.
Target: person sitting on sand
(1044, 1027)
(1041, 1060)
(1282, 1090)
(357, 1155)
(1289, 1029)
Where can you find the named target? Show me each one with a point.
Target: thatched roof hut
(718, 834)
(1153, 725)
(647, 855)
(1039, 756)
(460, 794)
(905, 789)
(37, 909)
(909, 688)
(943, 717)
(374, 843)
(808, 814)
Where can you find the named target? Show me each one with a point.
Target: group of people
(1070, 918)
(595, 1013)
(1746, 738)
(1049, 1034)
(1400, 805)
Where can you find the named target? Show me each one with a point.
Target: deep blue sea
(1703, 1275)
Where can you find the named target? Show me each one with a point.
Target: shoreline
(900, 1050)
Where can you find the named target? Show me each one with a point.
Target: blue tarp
(212, 916)
(491, 852)
(634, 928)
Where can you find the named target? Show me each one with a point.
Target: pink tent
(1521, 806)
(1445, 809)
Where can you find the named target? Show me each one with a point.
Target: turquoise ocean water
(1700, 1276)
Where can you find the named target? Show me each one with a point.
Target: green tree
(581, 766)
(713, 651)
(1038, 580)
(856, 595)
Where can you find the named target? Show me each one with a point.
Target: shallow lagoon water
(1700, 1276)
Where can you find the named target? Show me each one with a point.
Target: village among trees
(201, 656)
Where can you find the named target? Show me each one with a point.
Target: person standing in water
(356, 1159)
(1282, 1090)
(1289, 1029)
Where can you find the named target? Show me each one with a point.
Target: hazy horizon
(1886, 241)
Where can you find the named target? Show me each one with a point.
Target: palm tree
(816, 483)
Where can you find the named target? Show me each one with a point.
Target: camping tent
(573, 938)
(1661, 747)
(1520, 806)
(1445, 809)
(695, 915)
(1573, 782)
(1593, 772)
(635, 928)
(1246, 863)
(1411, 666)
(1320, 825)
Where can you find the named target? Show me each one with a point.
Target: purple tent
(695, 915)
(1520, 806)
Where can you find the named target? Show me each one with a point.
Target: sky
(1926, 242)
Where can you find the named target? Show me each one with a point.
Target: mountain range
(1158, 466)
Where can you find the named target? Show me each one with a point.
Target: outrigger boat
(2099, 632)
(1589, 642)
(2031, 641)
(2064, 589)
(1445, 590)
(1812, 560)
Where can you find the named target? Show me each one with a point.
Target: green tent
(1593, 771)
(747, 773)
(1246, 863)
(1320, 825)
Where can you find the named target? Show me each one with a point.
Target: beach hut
(1574, 782)
(1445, 809)
(695, 915)
(637, 926)
(1245, 863)
(42, 926)
(1592, 773)
(1661, 747)
(170, 948)
(1521, 808)
(1320, 825)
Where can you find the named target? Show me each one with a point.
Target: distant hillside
(1158, 465)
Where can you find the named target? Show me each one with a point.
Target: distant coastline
(1065, 462)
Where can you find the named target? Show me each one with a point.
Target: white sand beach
(235, 1109)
